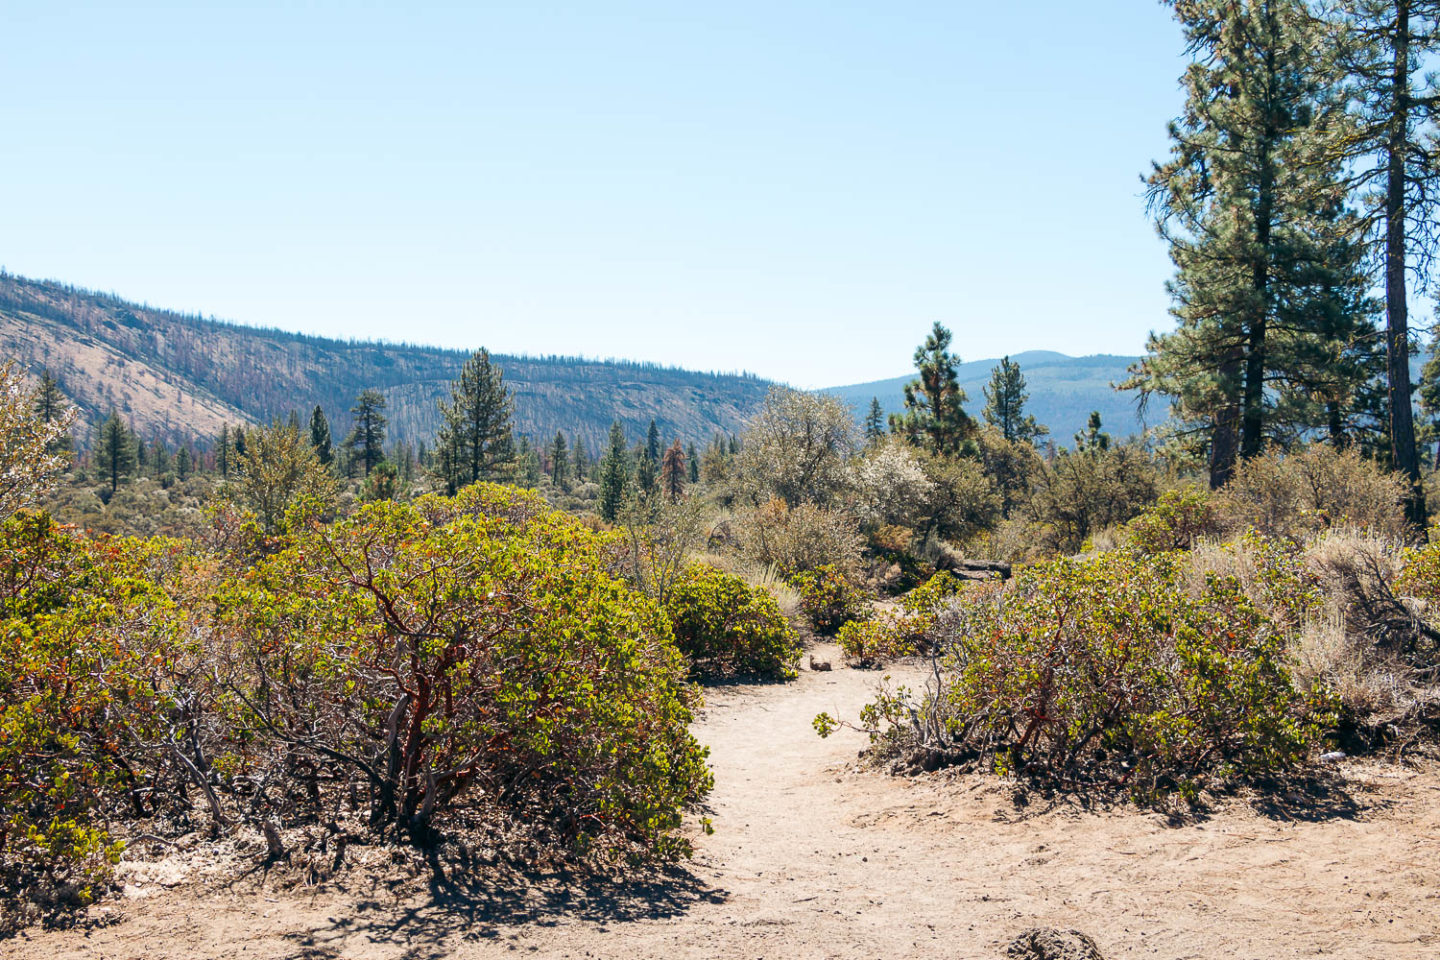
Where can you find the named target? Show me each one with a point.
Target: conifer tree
(613, 474)
(320, 438)
(183, 463)
(560, 462)
(1251, 202)
(477, 432)
(160, 457)
(51, 405)
(874, 422)
(222, 452)
(1005, 399)
(692, 462)
(652, 442)
(366, 441)
(581, 460)
(142, 454)
(935, 416)
(647, 470)
(1386, 50)
(116, 450)
(673, 475)
(527, 464)
(1092, 437)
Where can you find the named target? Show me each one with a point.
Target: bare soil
(814, 857)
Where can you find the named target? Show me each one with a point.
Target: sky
(795, 189)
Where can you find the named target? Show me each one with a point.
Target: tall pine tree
(935, 416)
(320, 436)
(1386, 50)
(1251, 203)
(1005, 399)
(477, 438)
(366, 441)
(613, 474)
(115, 453)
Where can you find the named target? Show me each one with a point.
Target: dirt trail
(812, 858)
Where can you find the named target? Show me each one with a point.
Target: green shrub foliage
(921, 607)
(1109, 671)
(470, 659)
(726, 627)
(1176, 521)
(446, 664)
(89, 642)
(829, 599)
(871, 643)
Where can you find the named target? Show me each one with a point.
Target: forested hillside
(179, 377)
(1063, 392)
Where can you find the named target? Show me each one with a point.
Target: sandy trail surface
(813, 857)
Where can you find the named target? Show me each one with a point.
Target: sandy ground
(814, 858)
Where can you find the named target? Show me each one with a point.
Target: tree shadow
(465, 904)
(1308, 796)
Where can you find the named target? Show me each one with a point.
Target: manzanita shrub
(1176, 521)
(90, 642)
(1109, 672)
(829, 599)
(465, 662)
(468, 664)
(869, 644)
(728, 628)
(921, 607)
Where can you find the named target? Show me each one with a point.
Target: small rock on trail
(1048, 943)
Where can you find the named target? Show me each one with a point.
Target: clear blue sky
(798, 189)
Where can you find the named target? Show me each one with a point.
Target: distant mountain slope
(181, 376)
(1063, 391)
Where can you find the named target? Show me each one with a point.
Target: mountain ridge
(1063, 392)
(180, 376)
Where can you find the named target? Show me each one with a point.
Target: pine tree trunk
(1397, 334)
(1225, 431)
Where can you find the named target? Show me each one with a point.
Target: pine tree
(1005, 399)
(477, 433)
(613, 474)
(582, 461)
(1251, 202)
(183, 463)
(222, 452)
(116, 450)
(1092, 437)
(160, 457)
(560, 462)
(527, 464)
(874, 422)
(692, 462)
(672, 472)
(320, 437)
(1386, 49)
(366, 441)
(647, 470)
(142, 455)
(652, 442)
(935, 416)
(51, 405)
